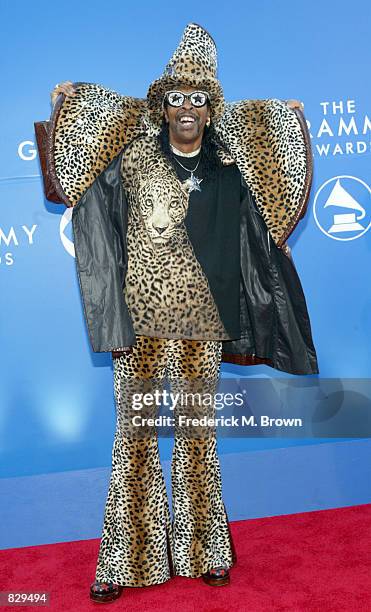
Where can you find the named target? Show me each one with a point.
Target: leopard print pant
(141, 544)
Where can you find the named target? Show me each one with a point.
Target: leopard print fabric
(141, 543)
(269, 141)
(266, 140)
(89, 130)
(166, 290)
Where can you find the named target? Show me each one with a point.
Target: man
(180, 267)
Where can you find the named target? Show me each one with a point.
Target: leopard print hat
(193, 63)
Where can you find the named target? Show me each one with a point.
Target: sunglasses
(176, 98)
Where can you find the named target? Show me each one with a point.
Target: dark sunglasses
(176, 98)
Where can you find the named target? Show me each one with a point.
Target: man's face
(180, 130)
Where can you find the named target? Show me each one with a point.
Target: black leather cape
(275, 323)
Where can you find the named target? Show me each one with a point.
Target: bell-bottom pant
(141, 543)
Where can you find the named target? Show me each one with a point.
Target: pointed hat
(193, 63)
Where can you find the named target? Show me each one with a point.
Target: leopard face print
(170, 301)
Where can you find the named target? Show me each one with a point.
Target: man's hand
(66, 88)
(295, 104)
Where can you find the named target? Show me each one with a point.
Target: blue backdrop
(57, 407)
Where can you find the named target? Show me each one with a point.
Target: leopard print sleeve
(87, 132)
(271, 145)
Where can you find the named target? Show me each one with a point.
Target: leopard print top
(166, 290)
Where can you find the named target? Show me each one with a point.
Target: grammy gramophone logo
(342, 208)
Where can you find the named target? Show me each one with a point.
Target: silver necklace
(193, 182)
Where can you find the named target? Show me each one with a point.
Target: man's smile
(187, 120)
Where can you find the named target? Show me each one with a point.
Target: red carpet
(314, 561)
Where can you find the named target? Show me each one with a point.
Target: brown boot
(105, 592)
(217, 576)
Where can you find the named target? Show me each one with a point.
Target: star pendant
(193, 183)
